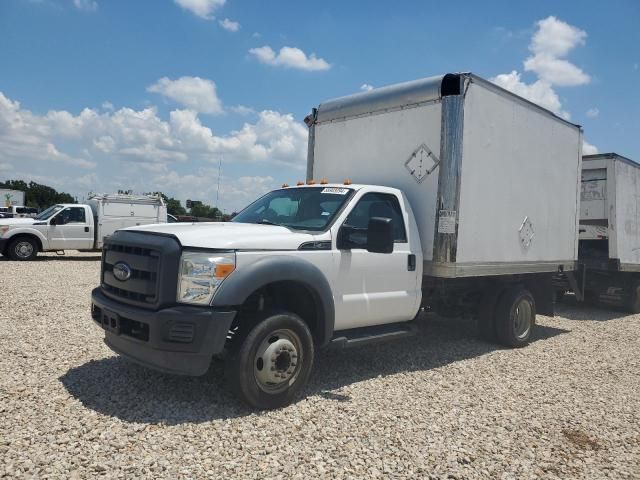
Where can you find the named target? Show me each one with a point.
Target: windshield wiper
(264, 221)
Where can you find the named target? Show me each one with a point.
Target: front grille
(153, 263)
(144, 263)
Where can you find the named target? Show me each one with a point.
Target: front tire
(515, 317)
(273, 362)
(23, 249)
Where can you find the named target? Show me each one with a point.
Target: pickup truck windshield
(49, 212)
(306, 208)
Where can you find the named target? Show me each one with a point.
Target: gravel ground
(440, 405)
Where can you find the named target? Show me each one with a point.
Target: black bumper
(180, 339)
(4, 242)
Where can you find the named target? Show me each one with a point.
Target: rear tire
(272, 363)
(23, 249)
(515, 317)
(633, 302)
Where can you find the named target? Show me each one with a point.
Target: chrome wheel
(24, 249)
(277, 361)
(522, 318)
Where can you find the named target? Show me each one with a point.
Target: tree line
(37, 195)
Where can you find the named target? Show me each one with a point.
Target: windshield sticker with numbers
(335, 191)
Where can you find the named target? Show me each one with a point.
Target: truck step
(368, 335)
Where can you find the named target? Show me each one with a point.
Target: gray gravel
(441, 405)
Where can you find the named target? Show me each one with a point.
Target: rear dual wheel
(507, 318)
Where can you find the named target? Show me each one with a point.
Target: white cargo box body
(493, 179)
(610, 206)
(113, 212)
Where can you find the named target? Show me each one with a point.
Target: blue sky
(97, 95)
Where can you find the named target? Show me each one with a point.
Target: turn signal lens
(223, 270)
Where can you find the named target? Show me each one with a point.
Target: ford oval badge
(122, 271)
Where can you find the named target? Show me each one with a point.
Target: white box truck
(609, 234)
(459, 197)
(77, 227)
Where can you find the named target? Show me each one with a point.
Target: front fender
(246, 280)
(28, 231)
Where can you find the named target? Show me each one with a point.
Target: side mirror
(54, 221)
(380, 235)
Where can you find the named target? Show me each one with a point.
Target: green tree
(174, 207)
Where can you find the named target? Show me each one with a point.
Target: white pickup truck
(480, 230)
(77, 227)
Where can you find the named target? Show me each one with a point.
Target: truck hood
(16, 221)
(246, 236)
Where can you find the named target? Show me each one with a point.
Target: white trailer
(609, 235)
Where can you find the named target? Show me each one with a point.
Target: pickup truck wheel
(515, 317)
(23, 248)
(273, 362)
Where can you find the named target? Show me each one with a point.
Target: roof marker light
(311, 182)
(324, 181)
(300, 183)
(347, 182)
(285, 185)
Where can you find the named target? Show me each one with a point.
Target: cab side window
(378, 205)
(71, 215)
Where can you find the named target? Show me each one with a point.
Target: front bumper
(180, 339)
(4, 243)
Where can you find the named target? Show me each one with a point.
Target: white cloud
(195, 93)
(593, 112)
(365, 87)
(242, 110)
(539, 92)
(86, 5)
(588, 149)
(107, 106)
(290, 57)
(201, 8)
(552, 41)
(229, 25)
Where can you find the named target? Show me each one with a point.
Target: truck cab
(309, 264)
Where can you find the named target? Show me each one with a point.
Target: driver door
(375, 288)
(70, 230)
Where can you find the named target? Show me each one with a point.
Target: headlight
(201, 273)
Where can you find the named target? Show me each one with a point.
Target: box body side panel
(374, 149)
(520, 183)
(627, 213)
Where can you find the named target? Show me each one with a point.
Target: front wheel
(515, 317)
(273, 362)
(23, 248)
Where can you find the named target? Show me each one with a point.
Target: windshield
(49, 212)
(307, 208)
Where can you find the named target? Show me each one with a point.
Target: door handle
(86, 229)
(411, 262)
